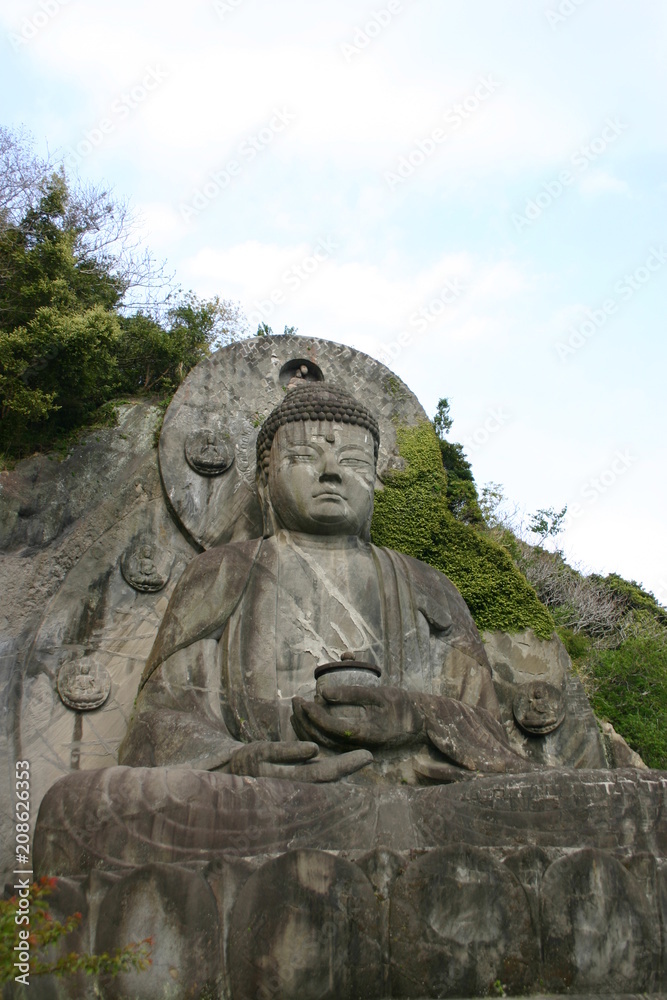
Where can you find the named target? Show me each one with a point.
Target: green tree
(547, 523)
(58, 322)
(55, 371)
(70, 337)
(264, 330)
(156, 356)
(462, 498)
(43, 263)
(442, 421)
(628, 687)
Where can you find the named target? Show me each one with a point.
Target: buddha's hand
(294, 761)
(391, 717)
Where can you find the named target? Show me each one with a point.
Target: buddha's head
(316, 460)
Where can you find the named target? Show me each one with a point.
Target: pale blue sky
(317, 104)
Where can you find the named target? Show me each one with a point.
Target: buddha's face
(321, 477)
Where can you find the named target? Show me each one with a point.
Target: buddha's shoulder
(206, 594)
(435, 594)
(420, 572)
(231, 558)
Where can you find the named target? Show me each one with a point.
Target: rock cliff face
(64, 526)
(547, 714)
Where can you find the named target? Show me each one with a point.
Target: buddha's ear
(268, 514)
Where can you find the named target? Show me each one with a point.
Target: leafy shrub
(577, 644)
(45, 932)
(628, 687)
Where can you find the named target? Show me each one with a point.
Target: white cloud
(223, 84)
(369, 304)
(597, 182)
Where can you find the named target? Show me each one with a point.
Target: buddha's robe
(249, 622)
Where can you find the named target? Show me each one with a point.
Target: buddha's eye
(354, 462)
(302, 456)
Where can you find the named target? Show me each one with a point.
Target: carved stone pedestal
(553, 882)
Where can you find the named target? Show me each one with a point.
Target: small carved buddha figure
(539, 708)
(85, 687)
(230, 683)
(147, 568)
(208, 453)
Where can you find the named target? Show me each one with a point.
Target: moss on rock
(412, 516)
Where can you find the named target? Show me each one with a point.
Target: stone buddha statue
(291, 816)
(230, 683)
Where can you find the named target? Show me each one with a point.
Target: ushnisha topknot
(313, 401)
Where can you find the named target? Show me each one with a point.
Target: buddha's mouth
(328, 495)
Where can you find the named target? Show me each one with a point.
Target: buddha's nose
(329, 470)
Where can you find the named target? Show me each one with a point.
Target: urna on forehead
(314, 401)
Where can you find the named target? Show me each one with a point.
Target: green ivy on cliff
(412, 515)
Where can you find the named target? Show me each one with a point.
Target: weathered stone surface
(614, 810)
(97, 617)
(123, 816)
(226, 877)
(176, 909)
(520, 663)
(83, 685)
(63, 527)
(529, 865)
(538, 708)
(599, 931)
(661, 890)
(274, 610)
(305, 927)
(208, 451)
(459, 923)
(146, 563)
(619, 753)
